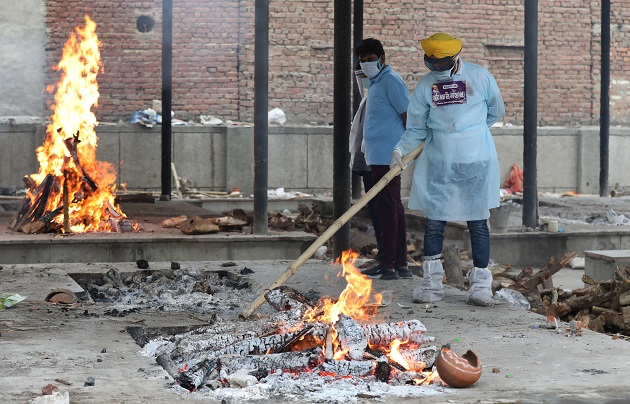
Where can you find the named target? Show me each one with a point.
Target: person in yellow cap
(456, 177)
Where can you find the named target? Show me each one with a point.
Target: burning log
(382, 335)
(329, 348)
(291, 361)
(34, 209)
(284, 298)
(71, 143)
(261, 345)
(208, 344)
(196, 375)
(420, 359)
(165, 360)
(350, 368)
(351, 337)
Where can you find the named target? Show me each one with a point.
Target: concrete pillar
(588, 161)
(239, 159)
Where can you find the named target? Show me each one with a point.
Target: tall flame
(69, 151)
(352, 301)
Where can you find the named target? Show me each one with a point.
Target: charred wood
(207, 345)
(258, 346)
(351, 337)
(349, 368)
(382, 335)
(420, 359)
(194, 377)
(291, 361)
(284, 298)
(71, 144)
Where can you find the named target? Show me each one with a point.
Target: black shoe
(374, 271)
(390, 275)
(404, 273)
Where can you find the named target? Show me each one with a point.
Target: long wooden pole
(332, 230)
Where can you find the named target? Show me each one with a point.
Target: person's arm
(416, 122)
(494, 100)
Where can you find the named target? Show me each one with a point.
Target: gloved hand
(397, 159)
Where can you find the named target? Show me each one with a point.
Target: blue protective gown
(456, 177)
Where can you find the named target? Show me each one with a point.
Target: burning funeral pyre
(73, 191)
(331, 340)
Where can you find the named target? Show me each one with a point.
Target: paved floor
(41, 343)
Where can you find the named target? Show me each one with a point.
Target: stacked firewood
(600, 306)
(309, 220)
(212, 355)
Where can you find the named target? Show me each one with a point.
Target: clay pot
(64, 296)
(458, 371)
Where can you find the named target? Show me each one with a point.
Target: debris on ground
(602, 307)
(10, 299)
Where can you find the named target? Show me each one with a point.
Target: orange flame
(72, 123)
(352, 301)
(395, 355)
(429, 377)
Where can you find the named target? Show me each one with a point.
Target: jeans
(479, 240)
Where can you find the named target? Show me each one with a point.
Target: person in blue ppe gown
(456, 177)
(385, 114)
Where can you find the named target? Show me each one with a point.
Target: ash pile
(330, 349)
(176, 289)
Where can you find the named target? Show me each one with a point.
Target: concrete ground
(42, 343)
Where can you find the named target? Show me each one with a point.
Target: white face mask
(371, 69)
(442, 76)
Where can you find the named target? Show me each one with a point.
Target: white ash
(315, 388)
(170, 291)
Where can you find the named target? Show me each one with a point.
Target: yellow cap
(441, 45)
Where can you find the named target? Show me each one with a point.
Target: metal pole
(167, 96)
(357, 183)
(261, 124)
(530, 118)
(604, 118)
(341, 120)
(358, 38)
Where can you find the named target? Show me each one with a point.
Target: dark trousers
(366, 176)
(391, 214)
(479, 240)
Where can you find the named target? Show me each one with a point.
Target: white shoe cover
(480, 290)
(431, 288)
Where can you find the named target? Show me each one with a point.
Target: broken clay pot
(458, 371)
(64, 296)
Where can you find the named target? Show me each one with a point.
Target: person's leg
(386, 211)
(400, 260)
(479, 278)
(431, 288)
(367, 185)
(433, 238)
(479, 242)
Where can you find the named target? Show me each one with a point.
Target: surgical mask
(442, 76)
(371, 69)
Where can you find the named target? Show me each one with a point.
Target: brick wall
(213, 54)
